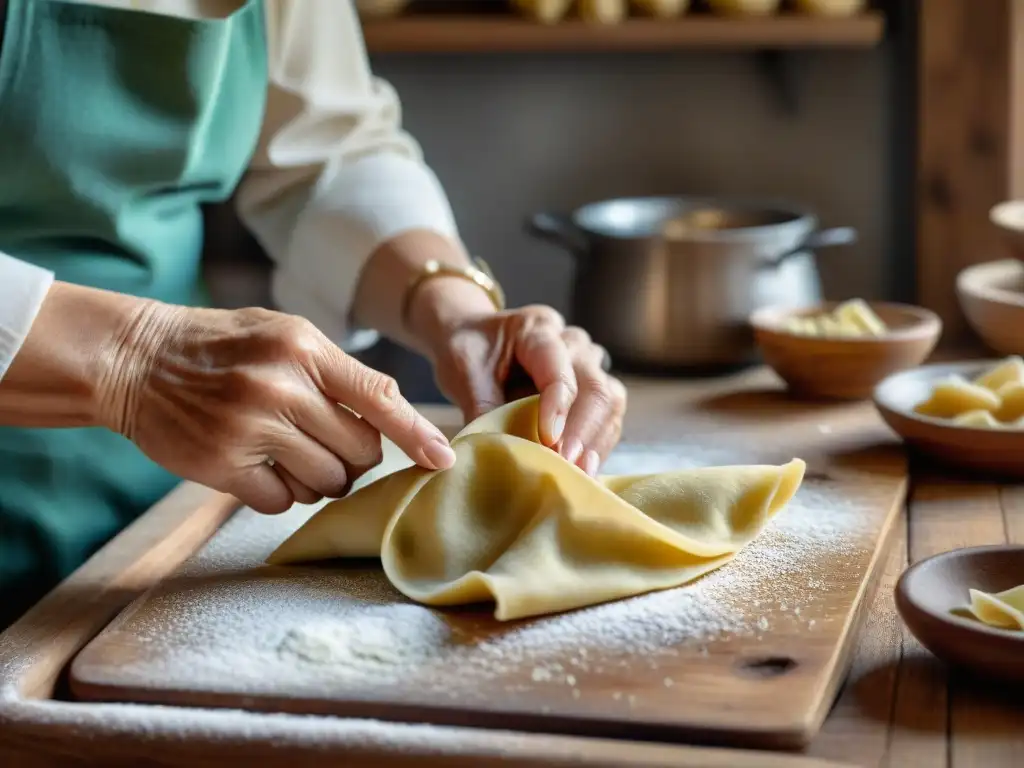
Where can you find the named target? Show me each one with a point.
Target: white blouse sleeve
(334, 175)
(23, 287)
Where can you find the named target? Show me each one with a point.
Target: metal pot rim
(801, 217)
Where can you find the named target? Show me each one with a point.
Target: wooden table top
(899, 707)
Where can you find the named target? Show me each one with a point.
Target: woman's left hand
(581, 405)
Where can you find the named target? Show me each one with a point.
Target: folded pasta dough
(514, 523)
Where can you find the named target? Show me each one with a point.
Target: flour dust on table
(237, 626)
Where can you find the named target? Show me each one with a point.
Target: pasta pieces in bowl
(842, 350)
(968, 415)
(967, 607)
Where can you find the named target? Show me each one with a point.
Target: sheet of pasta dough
(514, 523)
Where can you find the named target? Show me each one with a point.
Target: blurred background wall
(510, 134)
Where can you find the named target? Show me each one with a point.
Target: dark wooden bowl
(992, 452)
(928, 592)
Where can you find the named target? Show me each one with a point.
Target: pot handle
(557, 228)
(821, 239)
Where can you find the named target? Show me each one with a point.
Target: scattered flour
(402, 635)
(344, 628)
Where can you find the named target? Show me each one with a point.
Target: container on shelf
(745, 7)
(661, 9)
(380, 9)
(834, 8)
(543, 11)
(602, 11)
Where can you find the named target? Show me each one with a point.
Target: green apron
(115, 125)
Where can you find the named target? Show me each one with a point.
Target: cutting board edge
(792, 735)
(843, 657)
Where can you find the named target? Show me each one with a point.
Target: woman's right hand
(257, 404)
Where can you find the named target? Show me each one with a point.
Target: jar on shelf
(745, 7)
(834, 8)
(380, 9)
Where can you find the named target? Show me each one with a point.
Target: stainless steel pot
(671, 281)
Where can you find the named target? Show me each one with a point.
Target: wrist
(139, 334)
(61, 374)
(442, 304)
(392, 298)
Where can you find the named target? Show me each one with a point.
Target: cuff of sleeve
(23, 287)
(353, 210)
(291, 297)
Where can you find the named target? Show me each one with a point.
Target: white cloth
(333, 177)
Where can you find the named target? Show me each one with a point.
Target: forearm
(69, 358)
(437, 304)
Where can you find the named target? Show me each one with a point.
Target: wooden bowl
(995, 452)
(992, 299)
(844, 368)
(930, 590)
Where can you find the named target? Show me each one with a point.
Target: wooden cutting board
(751, 655)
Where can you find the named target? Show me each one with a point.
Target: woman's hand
(581, 405)
(257, 404)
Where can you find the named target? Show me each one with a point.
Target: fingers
(260, 488)
(354, 441)
(302, 494)
(594, 424)
(376, 398)
(597, 452)
(543, 353)
(309, 462)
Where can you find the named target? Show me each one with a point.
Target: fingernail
(591, 463)
(557, 427)
(572, 449)
(439, 454)
(562, 400)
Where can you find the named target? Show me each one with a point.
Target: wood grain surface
(753, 658)
(970, 117)
(507, 33)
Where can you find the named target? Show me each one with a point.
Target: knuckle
(298, 336)
(265, 392)
(251, 317)
(575, 336)
(381, 390)
(618, 391)
(541, 314)
(568, 380)
(599, 392)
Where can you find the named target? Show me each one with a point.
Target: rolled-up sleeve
(23, 287)
(335, 175)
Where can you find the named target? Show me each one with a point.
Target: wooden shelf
(512, 34)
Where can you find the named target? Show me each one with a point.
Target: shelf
(444, 33)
